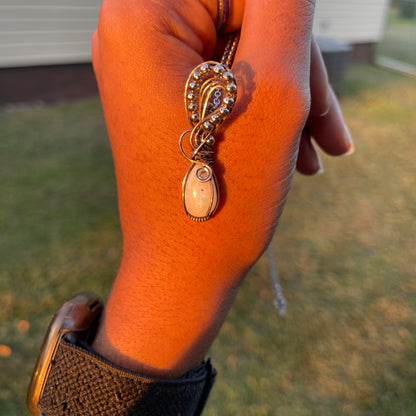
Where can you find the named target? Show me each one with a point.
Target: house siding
(353, 21)
(46, 32)
(50, 32)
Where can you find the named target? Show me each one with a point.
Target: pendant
(210, 94)
(200, 194)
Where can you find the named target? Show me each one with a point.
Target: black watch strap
(82, 382)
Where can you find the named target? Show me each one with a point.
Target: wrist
(71, 378)
(160, 323)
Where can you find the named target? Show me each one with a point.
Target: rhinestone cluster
(210, 94)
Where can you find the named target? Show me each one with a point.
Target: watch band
(82, 382)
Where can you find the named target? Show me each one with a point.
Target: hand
(325, 123)
(178, 278)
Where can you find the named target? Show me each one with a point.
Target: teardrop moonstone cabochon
(200, 195)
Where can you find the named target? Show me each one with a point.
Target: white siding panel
(43, 36)
(353, 21)
(46, 12)
(67, 25)
(36, 32)
(46, 54)
(29, 26)
(43, 32)
(53, 3)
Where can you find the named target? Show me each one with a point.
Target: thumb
(272, 66)
(272, 70)
(273, 31)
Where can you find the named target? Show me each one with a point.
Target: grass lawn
(399, 40)
(345, 248)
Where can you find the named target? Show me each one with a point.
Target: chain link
(230, 49)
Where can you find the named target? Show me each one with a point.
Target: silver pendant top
(210, 94)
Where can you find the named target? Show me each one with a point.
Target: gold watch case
(77, 318)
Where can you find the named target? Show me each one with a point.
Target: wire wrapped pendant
(210, 94)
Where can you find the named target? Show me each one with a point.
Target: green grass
(59, 226)
(399, 41)
(345, 248)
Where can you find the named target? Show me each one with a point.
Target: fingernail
(321, 169)
(349, 141)
(350, 151)
(327, 103)
(325, 112)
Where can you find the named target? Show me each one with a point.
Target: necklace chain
(230, 49)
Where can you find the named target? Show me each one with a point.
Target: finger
(308, 162)
(272, 71)
(272, 62)
(271, 28)
(235, 17)
(95, 53)
(330, 130)
(318, 82)
(273, 52)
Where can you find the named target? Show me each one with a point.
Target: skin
(178, 278)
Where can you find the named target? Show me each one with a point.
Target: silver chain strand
(279, 300)
(230, 49)
(216, 100)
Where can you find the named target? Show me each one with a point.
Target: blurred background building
(45, 44)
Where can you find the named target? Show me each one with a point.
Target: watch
(71, 379)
